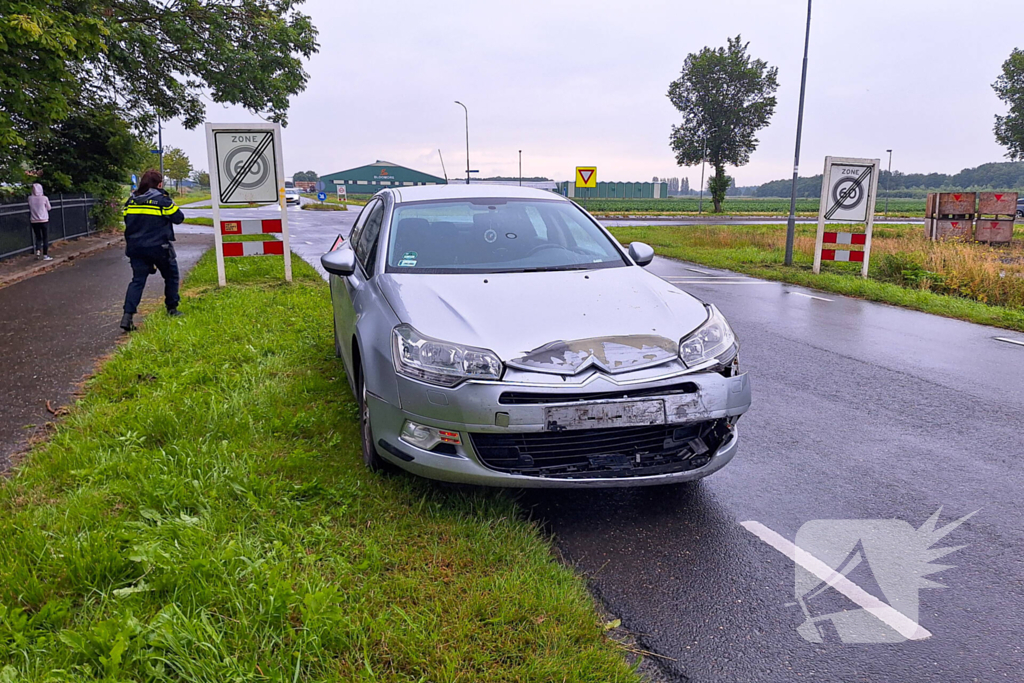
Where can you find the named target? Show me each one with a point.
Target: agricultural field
(966, 280)
(770, 206)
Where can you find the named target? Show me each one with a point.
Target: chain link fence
(70, 216)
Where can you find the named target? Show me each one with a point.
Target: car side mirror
(642, 254)
(341, 262)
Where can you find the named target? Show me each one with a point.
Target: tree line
(993, 176)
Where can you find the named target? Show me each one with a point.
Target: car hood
(600, 316)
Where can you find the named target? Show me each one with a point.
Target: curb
(47, 266)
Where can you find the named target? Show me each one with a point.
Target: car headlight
(712, 341)
(441, 362)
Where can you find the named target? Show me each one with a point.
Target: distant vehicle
(292, 195)
(499, 335)
(1020, 208)
(288, 184)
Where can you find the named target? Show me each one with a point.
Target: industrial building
(614, 190)
(376, 176)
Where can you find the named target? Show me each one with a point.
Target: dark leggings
(40, 240)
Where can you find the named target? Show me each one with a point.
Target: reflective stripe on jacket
(149, 221)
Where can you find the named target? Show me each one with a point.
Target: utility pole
(887, 181)
(520, 168)
(160, 143)
(700, 206)
(791, 223)
(467, 138)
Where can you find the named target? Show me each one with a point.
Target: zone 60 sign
(247, 166)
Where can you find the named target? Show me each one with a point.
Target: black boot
(174, 313)
(126, 322)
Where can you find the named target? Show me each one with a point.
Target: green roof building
(376, 176)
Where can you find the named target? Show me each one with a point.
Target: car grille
(616, 452)
(518, 398)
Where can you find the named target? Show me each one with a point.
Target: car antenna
(442, 166)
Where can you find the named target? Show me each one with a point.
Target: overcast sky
(575, 83)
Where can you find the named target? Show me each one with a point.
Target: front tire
(371, 459)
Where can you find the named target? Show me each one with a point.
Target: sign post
(848, 190)
(246, 166)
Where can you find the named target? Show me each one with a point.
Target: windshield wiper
(546, 269)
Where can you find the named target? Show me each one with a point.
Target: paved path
(54, 328)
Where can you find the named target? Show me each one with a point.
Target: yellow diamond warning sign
(586, 176)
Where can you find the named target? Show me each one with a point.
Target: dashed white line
(1018, 342)
(811, 296)
(894, 619)
(698, 270)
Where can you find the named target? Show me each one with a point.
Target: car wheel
(373, 462)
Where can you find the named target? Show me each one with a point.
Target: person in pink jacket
(39, 208)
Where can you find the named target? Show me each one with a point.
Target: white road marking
(1018, 342)
(698, 270)
(810, 296)
(897, 621)
(716, 281)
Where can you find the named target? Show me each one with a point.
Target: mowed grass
(969, 281)
(203, 515)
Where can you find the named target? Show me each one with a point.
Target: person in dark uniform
(149, 219)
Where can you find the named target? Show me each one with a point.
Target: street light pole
(700, 206)
(467, 138)
(520, 168)
(791, 223)
(887, 181)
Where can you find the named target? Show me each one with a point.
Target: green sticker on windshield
(409, 255)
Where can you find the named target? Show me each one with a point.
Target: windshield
(494, 236)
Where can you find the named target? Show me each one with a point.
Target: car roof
(424, 193)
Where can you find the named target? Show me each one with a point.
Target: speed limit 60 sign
(246, 166)
(848, 188)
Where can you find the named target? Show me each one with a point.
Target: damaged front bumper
(655, 426)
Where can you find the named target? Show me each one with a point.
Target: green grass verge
(192, 198)
(203, 515)
(841, 278)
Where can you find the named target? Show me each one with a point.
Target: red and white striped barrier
(268, 248)
(844, 238)
(841, 255)
(251, 227)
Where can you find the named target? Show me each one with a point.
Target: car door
(344, 290)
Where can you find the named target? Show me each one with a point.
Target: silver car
(500, 336)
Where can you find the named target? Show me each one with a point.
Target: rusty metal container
(956, 228)
(989, 230)
(997, 203)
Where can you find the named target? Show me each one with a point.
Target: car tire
(371, 459)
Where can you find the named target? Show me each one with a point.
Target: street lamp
(520, 168)
(791, 224)
(887, 181)
(467, 139)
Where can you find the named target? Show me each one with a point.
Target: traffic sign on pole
(247, 165)
(848, 189)
(322, 196)
(586, 176)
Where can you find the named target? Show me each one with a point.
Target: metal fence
(70, 216)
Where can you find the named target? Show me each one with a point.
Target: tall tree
(176, 165)
(1009, 87)
(725, 96)
(146, 58)
(201, 177)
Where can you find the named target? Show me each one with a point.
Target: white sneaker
(47, 258)
(38, 253)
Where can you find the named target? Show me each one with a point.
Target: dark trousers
(164, 260)
(40, 240)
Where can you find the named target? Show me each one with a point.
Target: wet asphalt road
(861, 411)
(55, 327)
